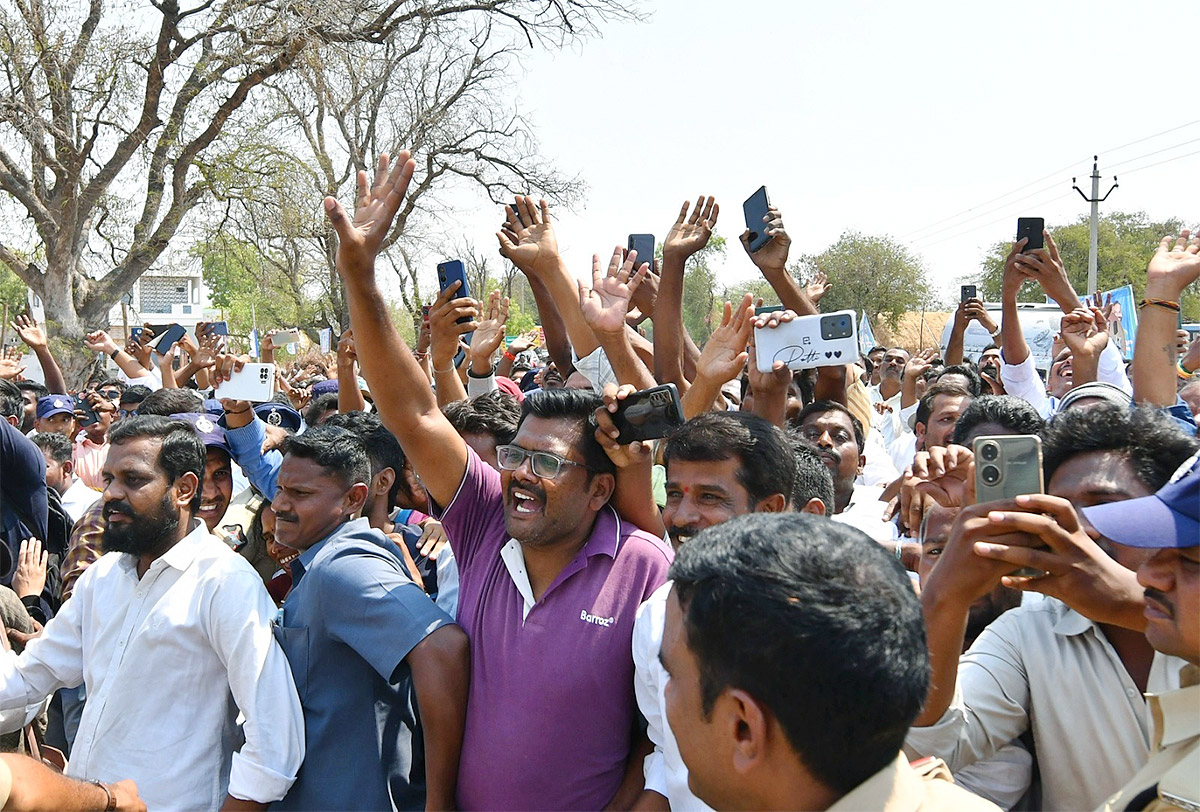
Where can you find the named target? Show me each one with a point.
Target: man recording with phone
(1088, 633)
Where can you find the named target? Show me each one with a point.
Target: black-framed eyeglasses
(543, 464)
(110, 394)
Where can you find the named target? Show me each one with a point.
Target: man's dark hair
(876, 349)
(860, 438)
(1152, 442)
(925, 406)
(969, 371)
(135, 394)
(39, 389)
(578, 405)
(11, 402)
(324, 403)
(114, 382)
(989, 348)
(58, 447)
(337, 450)
(383, 449)
(812, 476)
(765, 463)
(1016, 415)
(182, 451)
(496, 414)
(812, 619)
(166, 402)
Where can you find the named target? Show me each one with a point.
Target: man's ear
(775, 503)
(814, 506)
(68, 467)
(186, 487)
(355, 498)
(13, 421)
(602, 487)
(748, 724)
(382, 482)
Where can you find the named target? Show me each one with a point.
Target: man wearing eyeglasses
(550, 576)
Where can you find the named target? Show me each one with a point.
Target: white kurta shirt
(169, 660)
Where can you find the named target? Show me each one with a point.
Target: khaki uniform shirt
(1171, 778)
(926, 786)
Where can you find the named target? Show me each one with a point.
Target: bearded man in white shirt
(171, 632)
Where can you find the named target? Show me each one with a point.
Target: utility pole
(1094, 231)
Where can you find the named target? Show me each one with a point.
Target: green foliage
(12, 291)
(872, 274)
(1126, 241)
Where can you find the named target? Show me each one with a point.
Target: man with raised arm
(551, 577)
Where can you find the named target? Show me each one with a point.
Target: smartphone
(135, 333)
(283, 338)
(450, 272)
(967, 292)
(806, 342)
(644, 245)
(172, 334)
(255, 383)
(219, 328)
(89, 413)
(758, 311)
(425, 313)
(755, 209)
(1008, 466)
(649, 414)
(1031, 228)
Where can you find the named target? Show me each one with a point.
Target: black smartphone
(755, 209)
(450, 272)
(649, 414)
(219, 328)
(89, 413)
(173, 334)
(967, 292)
(758, 311)
(644, 245)
(1031, 228)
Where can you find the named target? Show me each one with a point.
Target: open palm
(691, 234)
(490, 332)
(360, 237)
(606, 303)
(724, 354)
(527, 237)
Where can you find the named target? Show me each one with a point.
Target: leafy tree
(1126, 243)
(871, 274)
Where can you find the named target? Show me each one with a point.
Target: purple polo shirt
(551, 705)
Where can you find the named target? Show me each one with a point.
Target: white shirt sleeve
(260, 679)
(646, 690)
(990, 702)
(1022, 381)
(480, 386)
(50, 661)
(1111, 369)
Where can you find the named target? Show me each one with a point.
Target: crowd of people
(437, 577)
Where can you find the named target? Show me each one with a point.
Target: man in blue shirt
(382, 672)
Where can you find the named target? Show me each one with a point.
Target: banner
(1123, 329)
(866, 336)
(255, 350)
(326, 334)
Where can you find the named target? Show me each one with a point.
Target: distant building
(164, 296)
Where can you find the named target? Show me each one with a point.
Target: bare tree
(121, 117)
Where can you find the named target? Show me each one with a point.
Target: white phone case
(823, 340)
(255, 383)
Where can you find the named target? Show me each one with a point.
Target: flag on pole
(254, 348)
(866, 336)
(326, 334)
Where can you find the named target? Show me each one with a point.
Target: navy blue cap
(324, 387)
(1169, 518)
(55, 404)
(213, 407)
(212, 435)
(278, 414)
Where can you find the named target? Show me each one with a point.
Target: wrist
(1162, 289)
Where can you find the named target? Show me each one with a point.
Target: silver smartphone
(1008, 466)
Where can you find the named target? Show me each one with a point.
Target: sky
(938, 124)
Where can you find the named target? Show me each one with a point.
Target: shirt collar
(308, 556)
(606, 534)
(895, 788)
(1175, 717)
(182, 553)
(1072, 623)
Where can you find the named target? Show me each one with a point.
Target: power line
(1160, 163)
(991, 222)
(1052, 174)
(1156, 152)
(987, 212)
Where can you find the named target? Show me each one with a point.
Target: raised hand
(361, 237)
(527, 237)
(33, 334)
(29, 578)
(1046, 267)
(645, 298)
(691, 234)
(99, 341)
(489, 333)
(818, 286)
(919, 364)
(345, 347)
(1173, 266)
(607, 433)
(1081, 334)
(11, 368)
(605, 304)
(975, 311)
(772, 256)
(724, 354)
(445, 331)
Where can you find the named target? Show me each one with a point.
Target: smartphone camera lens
(990, 452)
(990, 474)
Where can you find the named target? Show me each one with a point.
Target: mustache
(536, 491)
(687, 531)
(286, 517)
(1161, 599)
(123, 508)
